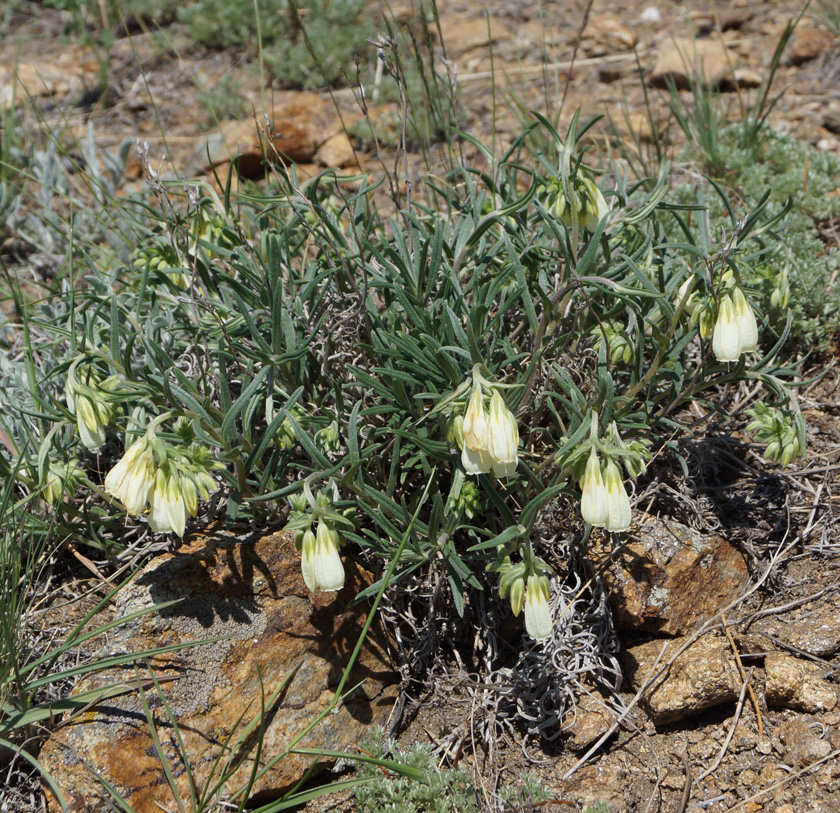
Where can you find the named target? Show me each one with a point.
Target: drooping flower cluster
(736, 329)
(320, 563)
(527, 583)
(314, 522)
(169, 479)
(584, 200)
(604, 502)
(489, 439)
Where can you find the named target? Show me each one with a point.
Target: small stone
(608, 35)
(651, 15)
(589, 721)
(336, 152)
(797, 684)
(745, 78)
(471, 36)
(800, 744)
(686, 62)
(807, 44)
(764, 745)
(752, 807)
(703, 676)
(828, 145)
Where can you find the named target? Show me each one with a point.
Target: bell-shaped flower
(476, 462)
(746, 321)
(593, 206)
(618, 503)
(475, 422)
(593, 501)
(726, 341)
(320, 561)
(736, 329)
(132, 479)
(538, 622)
(167, 508)
(503, 437)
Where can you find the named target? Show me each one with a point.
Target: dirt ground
(641, 767)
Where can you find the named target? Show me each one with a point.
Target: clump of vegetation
(797, 187)
(441, 791)
(303, 44)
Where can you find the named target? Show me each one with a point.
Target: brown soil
(641, 768)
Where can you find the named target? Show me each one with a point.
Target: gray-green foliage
(791, 173)
(441, 791)
(290, 33)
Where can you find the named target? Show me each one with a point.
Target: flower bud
(167, 508)
(517, 595)
(745, 319)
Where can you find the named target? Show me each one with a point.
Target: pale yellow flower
(475, 422)
(133, 477)
(503, 437)
(538, 621)
(593, 500)
(167, 508)
(618, 503)
(321, 564)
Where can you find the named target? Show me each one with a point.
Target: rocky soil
(730, 631)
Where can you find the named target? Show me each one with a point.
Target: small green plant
(441, 791)
(306, 44)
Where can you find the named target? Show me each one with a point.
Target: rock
(598, 785)
(799, 743)
(687, 61)
(745, 78)
(588, 721)
(831, 121)
(604, 34)
(669, 579)
(651, 14)
(797, 684)
(817, 633)
(300, 122)
(70, 71)
(704, 676)
(253, 594)
(471, 34)
(807, 44)
(336, 152)
(235, 140)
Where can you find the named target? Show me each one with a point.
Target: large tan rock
(251, 593)
(669, 579)
(702, 677)
(687, 61)
(797, 684)
(54, 76)
(299, 123)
